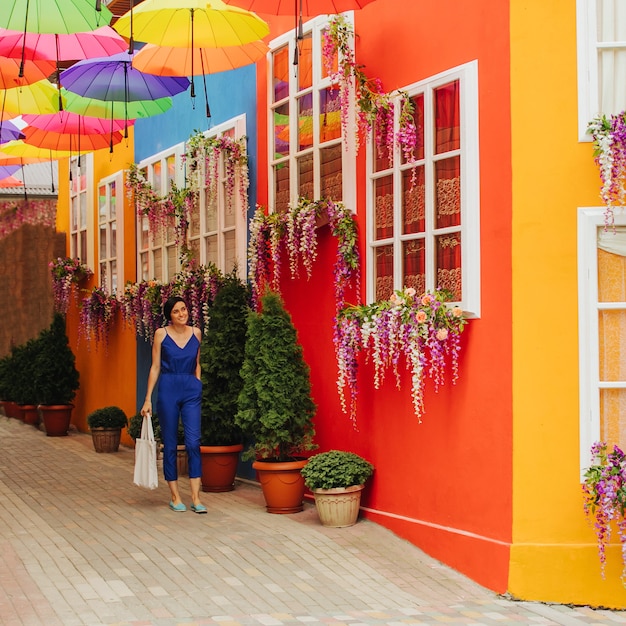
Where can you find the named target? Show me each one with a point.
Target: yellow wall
(104, 381)
(554, 556)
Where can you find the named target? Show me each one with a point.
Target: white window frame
(316, 26)
(238, 124)
(587, 53)
(467, 75)
(118, 179)
(148, 163)
(589, 220)
(86, 163)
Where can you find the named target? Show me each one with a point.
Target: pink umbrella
(68, 122)
(70, 142)
(295, 7)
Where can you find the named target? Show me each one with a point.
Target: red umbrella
(33, 71)
(68, 122)
(70, 142)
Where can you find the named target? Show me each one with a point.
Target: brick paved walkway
(80, 545)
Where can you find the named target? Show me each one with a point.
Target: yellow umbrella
(171, 61)
(18, 148)
(37, 98)
(191, 23)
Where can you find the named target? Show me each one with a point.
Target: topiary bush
(336, 468)
(107, 417)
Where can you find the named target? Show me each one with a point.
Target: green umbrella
(114, 109)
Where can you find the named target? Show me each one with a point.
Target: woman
(176, 358)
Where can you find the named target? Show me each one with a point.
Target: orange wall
(103, 381)
(444, 484)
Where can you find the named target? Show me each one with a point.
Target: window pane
(194, 246)
(171, 172)
(305, 62)
(414, 268)
(383, 272)
(281, 187)
(612, 338)
(330, 115)
(114, 281)
(447, 135)
(448, 263)
(211, 249)
(83, 244)
(334, 61)
(448, 192)
(281, 73)
(281, 131)
(102, 202)
(331, 177)
(229, 208)
(171, 261)
(112, 200)
(194, 220)
(158, 264)
(83, 210)
(611, 273)
(383, 218)
(113, 239)
(143, 260)
(145, 239)
(74, 210)
(230, 250)
(210, 206)
(418, 120)
(157, 179)
(613, 412)
(103, 274)
(305, 121)
(103, 243)
(413, 200)
(305, 176)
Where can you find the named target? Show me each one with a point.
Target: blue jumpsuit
(180, 395)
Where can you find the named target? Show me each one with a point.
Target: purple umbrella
(8, 170)
(114, 79)
(9, 131)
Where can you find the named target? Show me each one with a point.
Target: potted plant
(22, 371)
(221, 358)
(106, 428)
(336, 479)
(275, 408)
(56, 378)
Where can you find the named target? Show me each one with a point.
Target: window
(423, 216)
(601, 34)
(81, 220)
(307, 157)
(111, 233)
(217, 228)
(602, 317)
(158, 253)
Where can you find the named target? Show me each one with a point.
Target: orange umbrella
(11, 181)
(33, 71)
(67, 141)
(169, 61)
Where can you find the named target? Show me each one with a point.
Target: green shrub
(107, 417)
(336, 468)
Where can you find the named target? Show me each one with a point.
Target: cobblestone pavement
(81, 545)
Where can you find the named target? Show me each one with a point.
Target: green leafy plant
(221, 358)
(56, 376)
(336, 468)
(275, 407)
(134, 426)
(21, 372)
(107, 417)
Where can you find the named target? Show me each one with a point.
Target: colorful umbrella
(74, 143)
(68, 122)
(9, 131)
(296, 7)
(113, 109)
(8, 170)
(170, 61)
(33, 71)
(53, 16)
(39, 97)
(11, 181)
(18, 152)
(191, 24)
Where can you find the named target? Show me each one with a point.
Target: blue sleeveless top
(177, 360)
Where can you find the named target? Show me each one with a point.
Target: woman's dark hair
(169, 305)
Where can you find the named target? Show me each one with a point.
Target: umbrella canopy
(303, 7)
(113, 109)
(8, 170)
(170, 61)
(9, 131)
(20, 152)
(32, 71)
(11, 181)
(53, 16)
(191, 23)
(39, 97)
(68, 122)
(114, 78)
(74, 143)
(101, 42)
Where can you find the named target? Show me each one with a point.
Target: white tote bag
(146, 474)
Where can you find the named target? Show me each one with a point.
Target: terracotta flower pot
(56, 418)
(219, 467)
(106, 439)
(31, 414)
(282, 485)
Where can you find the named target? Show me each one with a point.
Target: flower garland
(423, 328)
(375, 108)
(604, 491)
(609, 142)
(296, 230)
(14, 214)
(97, 312)
(66, 272)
